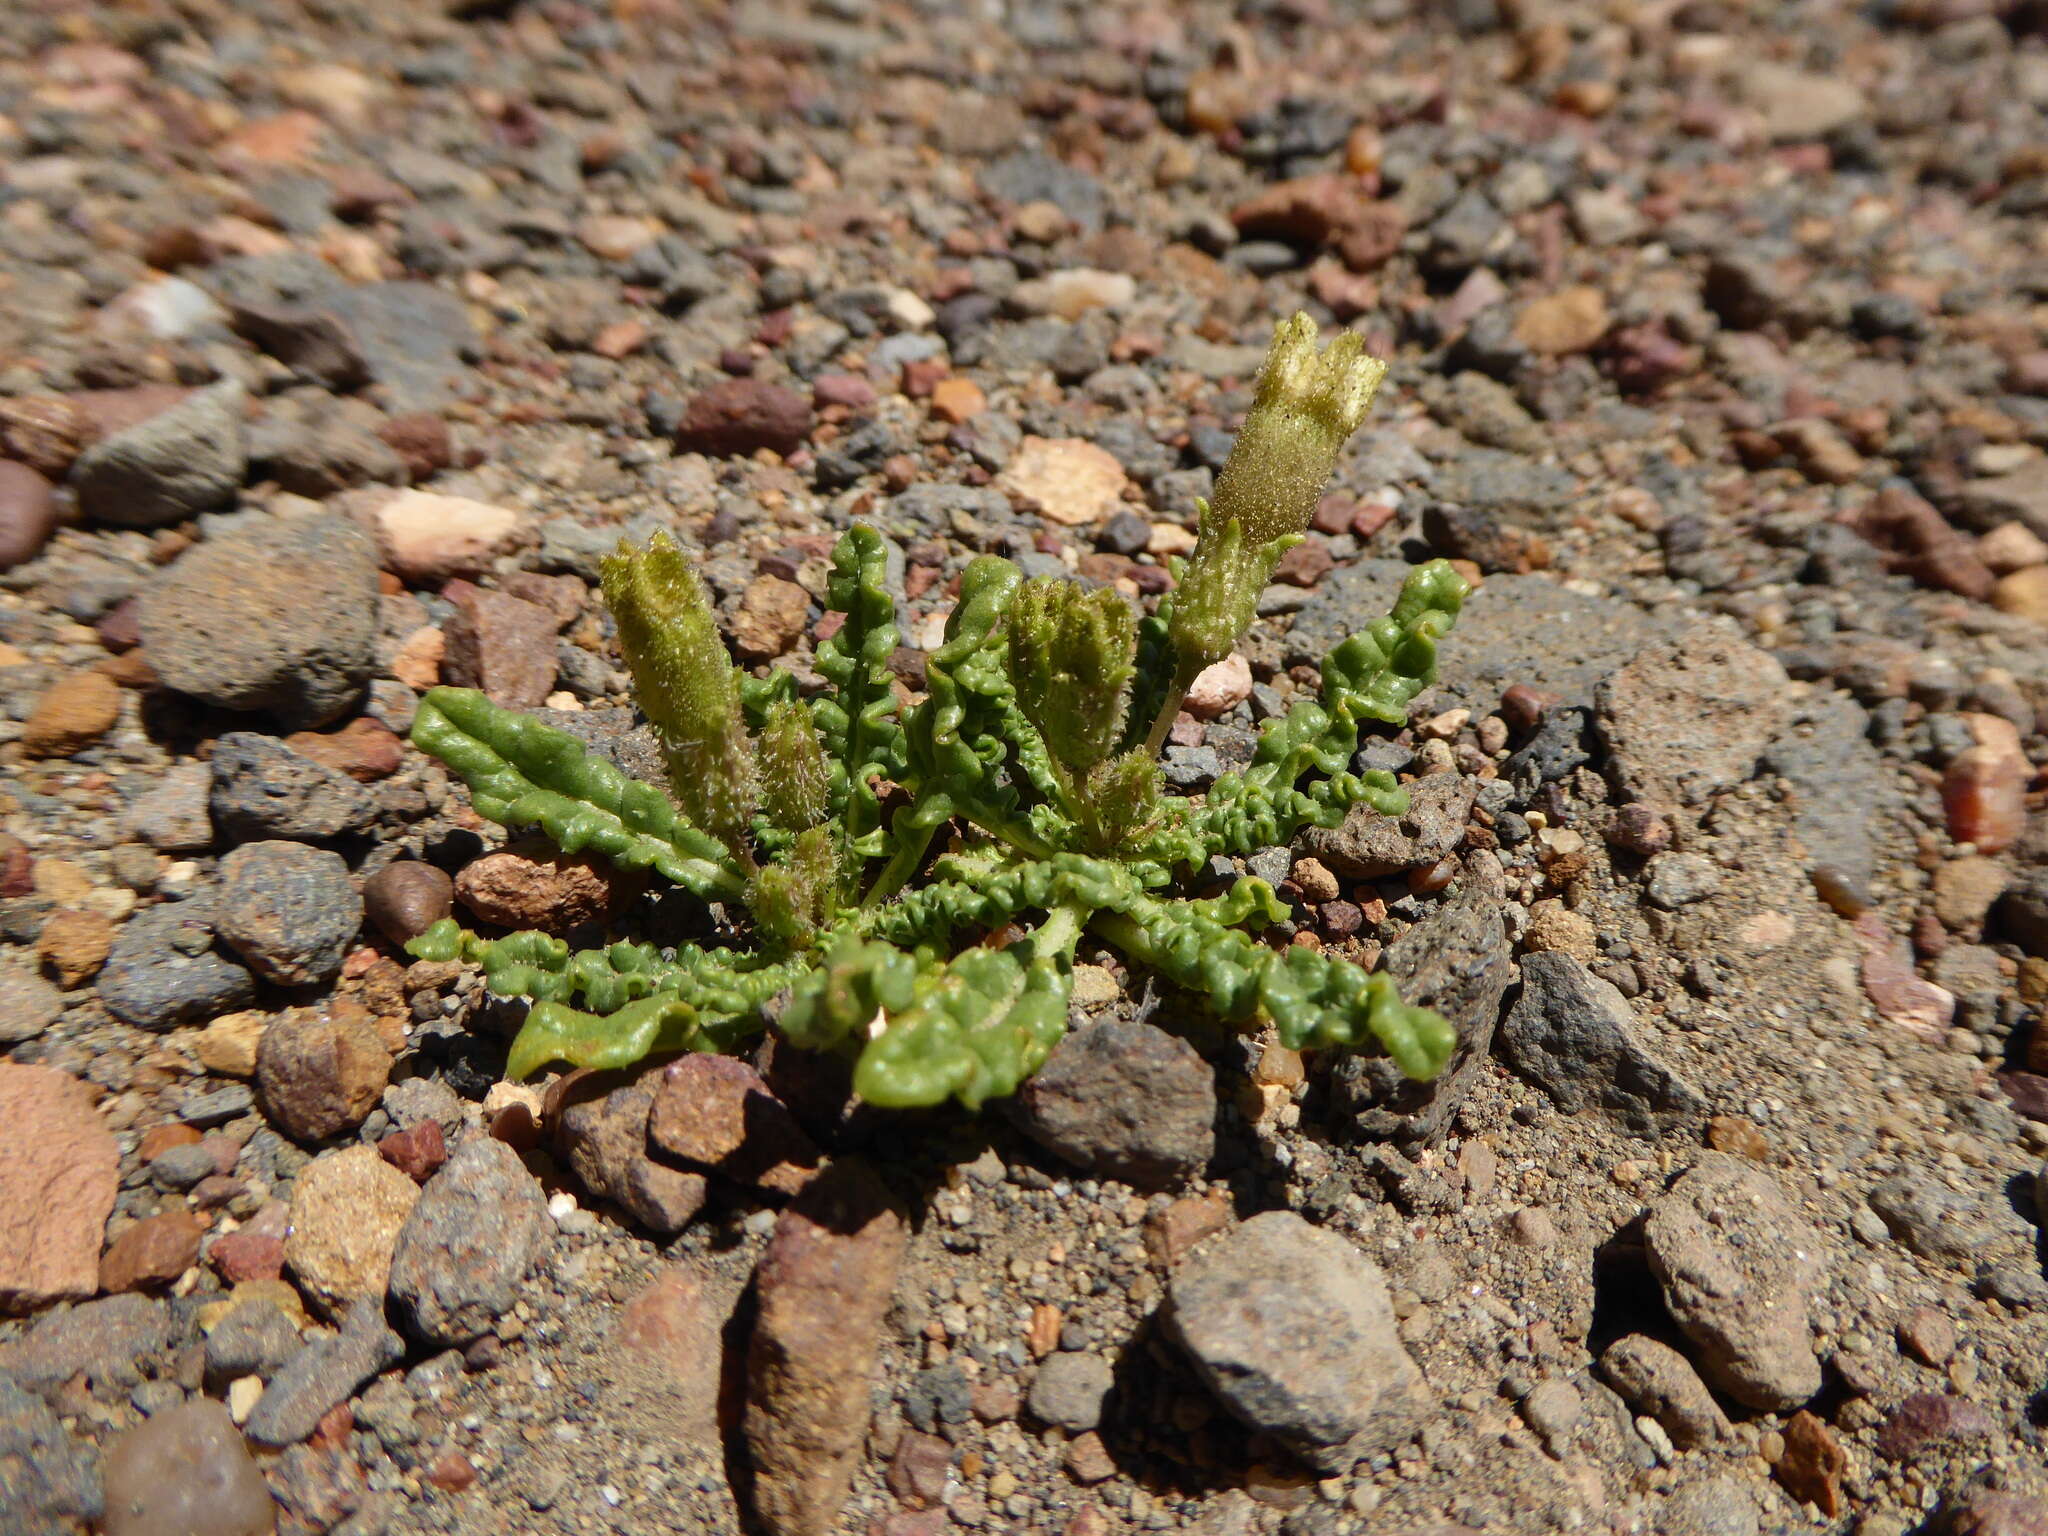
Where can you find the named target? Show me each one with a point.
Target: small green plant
(1035, 750)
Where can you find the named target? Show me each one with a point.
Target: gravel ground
(337, 344)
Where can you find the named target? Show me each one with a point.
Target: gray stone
(1456, 961)
(480, 1224)
(1840, 786)
(1933, 1220)
(1514, 629)
(323, 1374)
(1033, 176)
(288, 910)
(180, 462)
(1124, 1101)
(263, 789)
(1069, 1391)
(414, 340)
(1689, 718)
(1674, 880)
(1520, 489)
(1660, 1382)
(1738, 1268)
(2020, 496)
(49, 1482)
(1368, 846)
(255, 1339)
(173, 817)
(162, 971)
(108, 1341)
(28, 1004)
(1293, 1330)
(1576, 1038)
(279, 617)
(1714, 1506)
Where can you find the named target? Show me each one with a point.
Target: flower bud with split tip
(1307, 404)
(1071, 657)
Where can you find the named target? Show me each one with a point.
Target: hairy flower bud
(794, 777)
(1071, 654)
(685, 683)
(1307, 404)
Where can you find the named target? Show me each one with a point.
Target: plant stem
(1183, 679)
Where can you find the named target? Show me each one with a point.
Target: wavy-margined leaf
(856, 720)
(522, 773)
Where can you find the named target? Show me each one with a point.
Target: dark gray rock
(1520, 489)
(255, 1339)
(478, 1227)
(263, 789)
(1514, 629)
(1125, 1101)
(1032, 176)
(279, 617)
(1456, 961)
(108, 1341)
(415, 341)
(1367, 845)
(1293, 1329)
(180, 462)
(1576, 1038)
(322, 1374)
(1069, 1390)
(49, 1482)
(288, 910)
(1840, 787)
(162, 970)
(1738, 1268)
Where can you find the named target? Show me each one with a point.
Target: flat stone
(262, 789)
(59, 1167)
(109, 1342)
(1367, 845)
(1738, 1268)
(425, 537)
(325, 1373)
(186, 459)
(1577, 1039)
(503, 645)
(717, 1112)
(1293, 1329)
(1685, 720)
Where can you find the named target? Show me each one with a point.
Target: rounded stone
(320, 1076)
(186, 1472)
(405, 899)
(280, 618)
(28, 514)
(288, 910)
(1069, 1391)
(346, 1213)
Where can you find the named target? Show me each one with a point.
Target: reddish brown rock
(253, 1251)
(1811, 1468)
(530, 885)
(74, 945)
(417, 1152)
(741, 416)
(1570, 320)
(1926, 1417)
(503, 645)
(717, 1111)
(364, 749)
(59, 1167)
(28, 513)
(1899, 993)
(1919, 542)
(1309, 211)
(601, 1132)
(73, 713)
(1983, 792)
(825, 1285)
(320, 1075)
(771, 616)
(405, 899)
(152, 1252)
(46, 432)
(670, 1338)
(421, 442)
(1171, 1234)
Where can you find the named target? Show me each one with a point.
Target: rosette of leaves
(932, 937)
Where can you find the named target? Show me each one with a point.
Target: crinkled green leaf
(522, 773)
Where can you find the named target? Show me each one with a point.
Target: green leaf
(522, 773)
(554, 1032)
(856, 719)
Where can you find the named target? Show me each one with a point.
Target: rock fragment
(186, 1472)
(1687, 719)
(325, 1373)
(59, 1168)
(346, 1211)
(1293, 1329)
(1738, 1267)
(1657, 1380)
(604, 1140)
(49, 1481)
(477, 1228)
(320, 1075)
(1125, 1101)
(262, 789)
(288, 910)
(186, 459)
